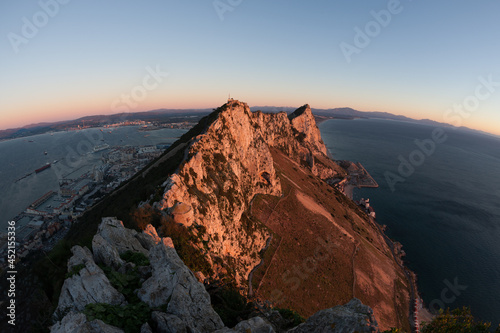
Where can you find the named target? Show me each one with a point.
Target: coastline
(397, 253)
(417, 312)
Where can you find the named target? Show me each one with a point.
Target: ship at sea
(46, 166)
(101, 147)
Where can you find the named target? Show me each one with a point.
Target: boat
(101, 147)
(46, 166)
(25, 176)
(45, 153)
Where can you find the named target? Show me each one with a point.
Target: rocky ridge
(230, 163)
(176, 301)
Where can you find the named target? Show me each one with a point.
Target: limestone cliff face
(225, 167)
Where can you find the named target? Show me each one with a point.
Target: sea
(439, 195)
(70, 154)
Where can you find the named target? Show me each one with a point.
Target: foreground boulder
(174, 285)
(177, 301)
(254, 325)
(352, 317)
(77, 323)
(87, 285)
(121, 238)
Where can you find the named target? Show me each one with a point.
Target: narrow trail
(356, 248)
(250, 276)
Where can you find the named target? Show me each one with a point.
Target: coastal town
(46, 220)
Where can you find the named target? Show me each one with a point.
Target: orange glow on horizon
(69, 109)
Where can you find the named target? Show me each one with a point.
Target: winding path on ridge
(268, 242)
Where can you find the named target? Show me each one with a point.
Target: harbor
(357, 177)
(47, 219)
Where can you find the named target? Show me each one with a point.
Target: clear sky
(85, 57)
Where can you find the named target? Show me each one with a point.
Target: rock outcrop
(273, 164)
(174, 285)
(119, 237)
(78, 323)
(173, 288)
(228, 165)
(254, 325)
(88, 285)
(352, 317)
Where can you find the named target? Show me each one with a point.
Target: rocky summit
(247, 206)
(231, 163)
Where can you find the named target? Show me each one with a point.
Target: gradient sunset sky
(420, 61)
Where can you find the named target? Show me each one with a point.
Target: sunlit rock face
(227, 165)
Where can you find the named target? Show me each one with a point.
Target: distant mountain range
(161, 115)
(349, 113)
(180, 115)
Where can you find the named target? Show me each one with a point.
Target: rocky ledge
(138, 282)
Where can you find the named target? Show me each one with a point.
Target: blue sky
(284, 53)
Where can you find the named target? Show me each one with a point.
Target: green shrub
(456, 321)
(124, 283)
(75, 270)
(129, 317)
(292, 317)
(230, 305)
(137, 258)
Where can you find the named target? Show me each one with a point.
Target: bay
(71, 151)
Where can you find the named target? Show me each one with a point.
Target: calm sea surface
(19, 157)
(446, 213)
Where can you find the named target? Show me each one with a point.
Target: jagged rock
(149, 237)
(303, 121)
(145, 328)
(254, 325)
(81, 255)
(89, 285)
(174, 284)
(126, 268)
(144, 271)
(77, 323)
(105, 253)
(168, 323)
(113, 231)
(200, 277)
(167, 241)
(351, 317)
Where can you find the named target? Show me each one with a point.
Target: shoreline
(417, 311)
